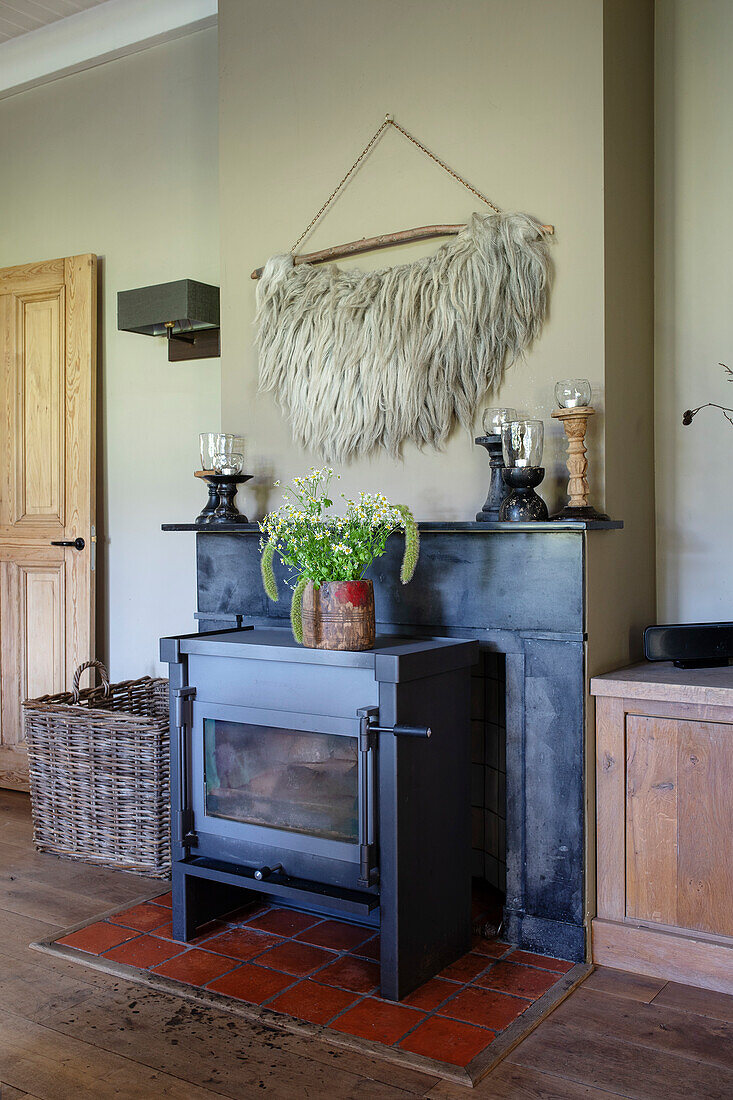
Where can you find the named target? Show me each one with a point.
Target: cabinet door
(679, 823)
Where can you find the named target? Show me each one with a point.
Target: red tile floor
(326, 972)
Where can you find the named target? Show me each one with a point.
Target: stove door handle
(410, 731)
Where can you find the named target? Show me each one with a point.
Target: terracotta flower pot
(339, 615)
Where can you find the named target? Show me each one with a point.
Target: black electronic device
(690, 645)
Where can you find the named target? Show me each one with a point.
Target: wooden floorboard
(706, 1002)
(511, 1082)
(634, 987)
(67, 1031)
(585, 1055)
(660, 1028)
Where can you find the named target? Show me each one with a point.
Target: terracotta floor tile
(484, 1007)
(252, 983)
(144, 951)
(283, 922)
(313, 1002)
(466, 968)
(368, 950)
(144, 918)
(381, 1021)
(295, 958)
(195, 967)
(560, 966)
(431, 994)
(206, 931)
(166, 900)
(337, 935)
(98, 937)
(447, 1041)
(241, 943)
(358, 975)
(244, 913)
(523, 981)
(493, 948)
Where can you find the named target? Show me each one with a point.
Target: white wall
(121, 160)
(694, 308)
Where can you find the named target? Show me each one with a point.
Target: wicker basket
(99, 773)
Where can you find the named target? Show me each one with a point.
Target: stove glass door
(281, 778)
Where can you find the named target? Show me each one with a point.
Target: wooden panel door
(47, 486)
(679, 823)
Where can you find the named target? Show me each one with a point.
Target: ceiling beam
(92, 37)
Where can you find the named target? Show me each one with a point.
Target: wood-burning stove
(335, 782)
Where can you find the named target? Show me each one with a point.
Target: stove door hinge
(368, 871)
(183, 706)
(183, 829)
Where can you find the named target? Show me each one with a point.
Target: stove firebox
(329, 781)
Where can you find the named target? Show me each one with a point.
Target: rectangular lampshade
(191, 306)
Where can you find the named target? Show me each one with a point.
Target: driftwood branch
(372, 244)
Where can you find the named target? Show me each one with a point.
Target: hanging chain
(389, 121)
(348, 175)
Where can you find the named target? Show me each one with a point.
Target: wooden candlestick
(220, 507)
(575, 423)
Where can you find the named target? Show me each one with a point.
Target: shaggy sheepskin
(363, 359)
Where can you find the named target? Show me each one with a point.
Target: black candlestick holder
(522, 502)
(220, 507)
(497, 490)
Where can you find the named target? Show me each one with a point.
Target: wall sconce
(185, 312)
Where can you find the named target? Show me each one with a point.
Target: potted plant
(332, 605)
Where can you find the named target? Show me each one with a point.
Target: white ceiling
(49, 39)
(21, 16)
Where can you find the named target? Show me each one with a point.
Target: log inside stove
(284, 779)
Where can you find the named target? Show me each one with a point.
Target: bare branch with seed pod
(688, 414)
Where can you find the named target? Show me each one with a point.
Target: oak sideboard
(664, 823)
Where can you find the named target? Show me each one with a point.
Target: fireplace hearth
(334, 782)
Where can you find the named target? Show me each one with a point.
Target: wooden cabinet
(664, 823)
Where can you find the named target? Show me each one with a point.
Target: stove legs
(198, 900)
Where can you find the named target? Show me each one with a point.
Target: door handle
(77, 544)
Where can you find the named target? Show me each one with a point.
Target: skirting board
(689, 958)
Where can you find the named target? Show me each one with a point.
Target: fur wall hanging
(360, 360)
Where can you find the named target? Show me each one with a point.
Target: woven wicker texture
(99, 773)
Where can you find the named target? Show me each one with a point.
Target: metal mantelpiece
(331, 781)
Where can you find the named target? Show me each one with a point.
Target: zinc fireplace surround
(520, 590)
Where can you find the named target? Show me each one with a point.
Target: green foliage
(324, 546)
(268, 574)
(296, 609)
(321, 547)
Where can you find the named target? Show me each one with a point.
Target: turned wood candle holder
(220, 507)
(575, 423)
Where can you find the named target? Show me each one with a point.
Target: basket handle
(77, 677)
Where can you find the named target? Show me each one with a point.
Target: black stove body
(334, 782)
